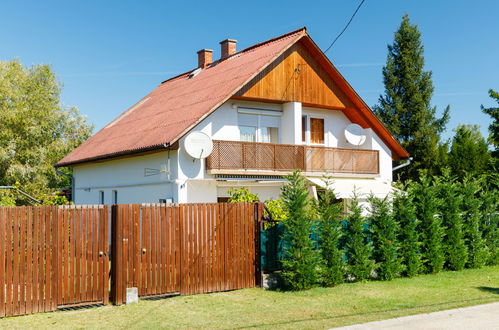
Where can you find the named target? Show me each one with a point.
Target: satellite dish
(198, 145)
(355, 134)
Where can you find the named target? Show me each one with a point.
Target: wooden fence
(184, 248)
(58, 256)
(52, 257)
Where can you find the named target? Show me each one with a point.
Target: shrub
(275, 208)
(405, 213)
(300, 259)
(329, 213)
(470, 207)
(358, 249)
(426, 201)
(384, 231)
(456, 254)
(242, 195)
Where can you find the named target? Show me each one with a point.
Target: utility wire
(346, 26)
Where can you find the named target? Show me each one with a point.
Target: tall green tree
(469, 152)
(330, 212)
(456, 253)
(490, 223)
(432, 233)
(384, 230)
(358, 248)
(36, 130)
(404, 212)
(494, 126)
(301, 259)
(406, 106)
(471, 205)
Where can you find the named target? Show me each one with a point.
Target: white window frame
(308, 132)
(101, 197)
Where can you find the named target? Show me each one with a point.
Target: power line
(346, 26)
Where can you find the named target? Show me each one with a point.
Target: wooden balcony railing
(233, 155)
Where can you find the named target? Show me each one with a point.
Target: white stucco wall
(126, 176)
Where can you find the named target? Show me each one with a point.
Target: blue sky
(109, 54)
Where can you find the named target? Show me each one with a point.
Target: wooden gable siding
(296, 76)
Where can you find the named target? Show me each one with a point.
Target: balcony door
(259, 125)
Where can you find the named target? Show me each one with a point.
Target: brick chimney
(227, 47)
(205, 57)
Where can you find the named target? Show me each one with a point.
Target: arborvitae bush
(405, 213)
(300, 258)
(330, 215)
(358, 248)
(490, 224)
(384, 231)
(456, 254)
(432, 233)
(470, 208)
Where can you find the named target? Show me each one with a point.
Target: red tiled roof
(179, 103)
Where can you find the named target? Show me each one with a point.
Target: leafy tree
(300, 258)
(405, 213)
(469, 152)
(494, 127)
(36, 130)
(358, 249)
(477, 250)
(432, 233)
(384, 230)
(239, 195)
(456, 253)
(330, 212)
(406, 106)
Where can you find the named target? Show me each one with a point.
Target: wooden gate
(183, 248)
(82, 275)
(50, 257)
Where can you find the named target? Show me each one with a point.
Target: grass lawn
(316, 308)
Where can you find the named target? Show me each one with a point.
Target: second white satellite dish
(198, 145)
(355, 134)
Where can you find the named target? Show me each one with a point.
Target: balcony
(232, 157)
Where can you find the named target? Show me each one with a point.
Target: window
(304, 129)
(115, 196)
(101, 197)
(259, 125)
(317, 130)
(248, 133)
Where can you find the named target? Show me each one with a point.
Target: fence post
(116, 262)
(258, 213)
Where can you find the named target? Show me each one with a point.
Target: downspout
(398, 167)
(71, 177)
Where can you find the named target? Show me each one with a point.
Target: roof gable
(296, 76)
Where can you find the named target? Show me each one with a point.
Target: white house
(270, 108)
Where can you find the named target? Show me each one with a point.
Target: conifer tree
(490, 223)
(456, 254)
(330, 212)
(405, 213)
(477, 251)
(432, 233)
(300, 258)
(358, 248)
(384, 231)
(406, 106)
